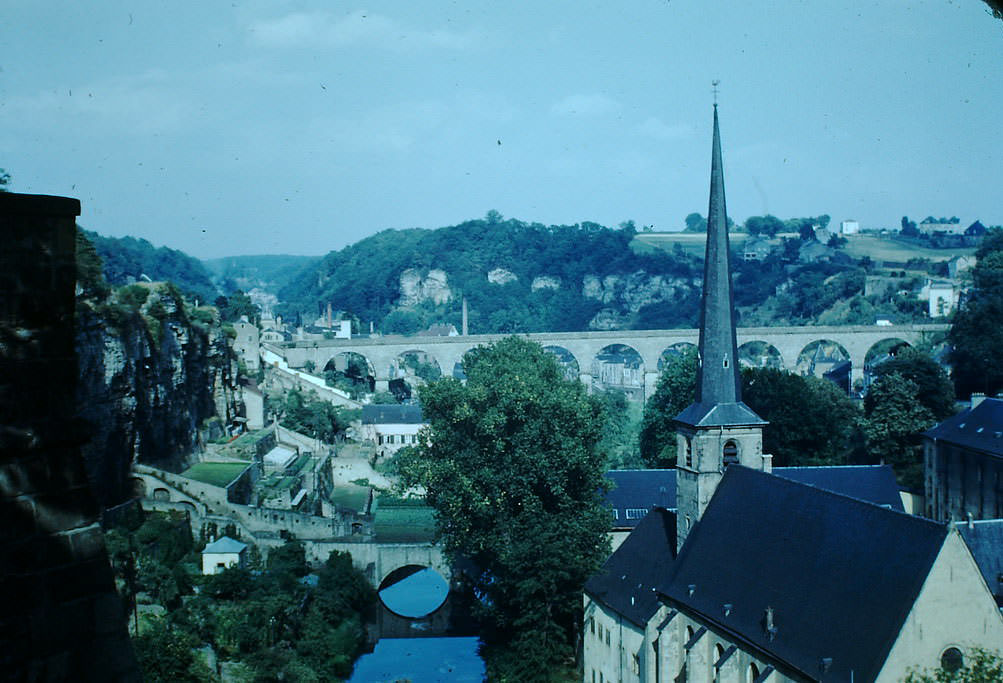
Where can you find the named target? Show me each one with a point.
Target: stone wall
(60, 617)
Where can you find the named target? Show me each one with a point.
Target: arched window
(730, 453)
(952, 659)
(719, 651)
(689, 452)
(753, 672)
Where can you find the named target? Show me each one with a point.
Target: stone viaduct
(382, 353)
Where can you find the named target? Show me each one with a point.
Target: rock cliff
(432, 286)
(148, 378)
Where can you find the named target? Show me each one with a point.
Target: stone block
(79, 580)
(68, 509)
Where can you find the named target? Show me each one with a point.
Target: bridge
(383, 354)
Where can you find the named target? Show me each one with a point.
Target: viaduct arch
(789, 342)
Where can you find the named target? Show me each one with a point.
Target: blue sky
(249, 127)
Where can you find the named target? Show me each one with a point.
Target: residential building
(632, 494)
(849, 227)
(391, 427)
(222, 553)
(963, 464)
(247, 343)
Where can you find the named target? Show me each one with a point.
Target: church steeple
(717, 429)
(719, 389)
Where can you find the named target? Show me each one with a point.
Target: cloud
(585, 105)
(656, 128)
(324, 29)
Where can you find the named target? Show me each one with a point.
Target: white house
(391, 427)
(849, 227)
(222, 553)
(247, 344)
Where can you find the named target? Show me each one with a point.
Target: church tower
(717, 429)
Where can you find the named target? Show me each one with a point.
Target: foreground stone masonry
(60, 618)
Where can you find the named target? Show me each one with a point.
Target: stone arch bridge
(381, 352)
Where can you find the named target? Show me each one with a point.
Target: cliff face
(147, 383)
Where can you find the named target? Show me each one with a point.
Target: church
(758, 578)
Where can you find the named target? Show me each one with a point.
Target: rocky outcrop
(608, 319)
(416, 288)
(146, 385)
(635, 291)
(545, 282)
(500, 276)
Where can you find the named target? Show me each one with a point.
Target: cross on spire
(714, 85)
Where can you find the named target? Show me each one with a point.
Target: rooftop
(979, 428)
(377, 413)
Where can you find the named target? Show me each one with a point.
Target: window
(380, 439)
(689, 452)
(635, 662)
(390, 439)
(607, 636)
(951, 660)
(730, 453)
(592, 624)
(753, 672)
(636, 513)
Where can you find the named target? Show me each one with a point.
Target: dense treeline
(364, 278)
(269, 271)
(127, 259)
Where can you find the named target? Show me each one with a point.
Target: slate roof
(640, 489)
(627, 580)
(840, 574)
(872, 483)
(224, 545)
(985, 539)
(978, 429)
(377, 413)
(718, 415)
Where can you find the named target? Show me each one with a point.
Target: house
(942, 297)
(814, 251)
(849, 227)
(439, 330)
(254, 403)
(222, 553)
(959, 264)
(756, 249)
(976, 229)
(390, 427)
(963, 463)
(772, 579)
(246, 344)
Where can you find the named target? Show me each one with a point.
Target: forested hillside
(516, 276)
(270, 272)
(127, 260)
(527, 277)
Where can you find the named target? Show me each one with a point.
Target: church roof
(719, 415)
(627, 580)
(985, 539)
(840, 574)
(871, 483)
(979, 428)
(640, 490)
(657, 488)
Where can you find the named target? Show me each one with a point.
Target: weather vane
(715, 83)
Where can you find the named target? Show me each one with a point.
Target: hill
(128, 259)
(269, 272)
(516, 277)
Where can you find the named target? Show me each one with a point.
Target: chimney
(464, 324)
(329, 321)
(971, 520)
(977, 398)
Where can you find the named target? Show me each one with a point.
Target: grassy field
(877, 247)
(215, 473)
(404, 524)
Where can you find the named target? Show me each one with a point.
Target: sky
(264, 127)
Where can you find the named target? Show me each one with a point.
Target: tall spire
(719, 392)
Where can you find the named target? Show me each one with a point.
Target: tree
(812, 421)
(982, 666)
(512, 470)
(166, 655)
(764, 225)
(909, 227)
(893, 426)
(4, 180)
(695, 223)
(936, 392)
(976, 335)
(675, 390)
